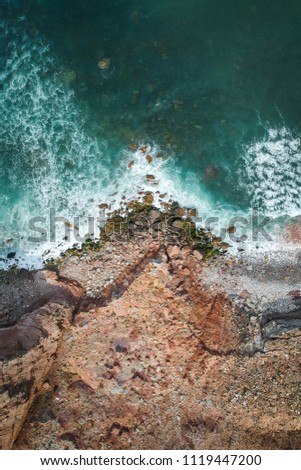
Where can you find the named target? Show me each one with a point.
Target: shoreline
(152, 322)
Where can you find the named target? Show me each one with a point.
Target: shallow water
(214, 87)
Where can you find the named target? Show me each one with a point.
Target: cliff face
(35, 340)
(27, 351)
(145, 351)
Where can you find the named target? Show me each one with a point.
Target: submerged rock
(104, 64)
(211, 172)
(133, 146)
(69, 76)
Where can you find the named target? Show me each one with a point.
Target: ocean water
(213, 89)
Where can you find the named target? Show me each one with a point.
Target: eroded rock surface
(139, 342)
(24, 291)
(167, 364)
(27, 351)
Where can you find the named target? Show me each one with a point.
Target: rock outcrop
(168, 364)
(23, 291)
(137, 348)
(27, 351)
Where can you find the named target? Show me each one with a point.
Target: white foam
(272, 173)
(49, 159)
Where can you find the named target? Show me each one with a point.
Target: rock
(64, 419)
(231, 229)
(28, 351)
(46, 387)
(178, 223)
(69, 436)
(104, 64)
(153, 215)
(133, 146)
(22, 291)
(149, 158)
(131, 164)
(180, 212)
(148, 199)
(150, 177)
(28, 347)
(296, 294)
(174, 206)
(165, 360)
(125, 375)
(103, 206)
(142, 375)
(198, 255)
(68, 76)
(11, 255)
(185, 272)
(292, 233)
(244, 294)
(115, 429)
(173, 251)
(220, 327)
(192, 212)
(211, 172)
(158, 355)
(158, 225)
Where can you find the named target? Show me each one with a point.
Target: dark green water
(213, 85)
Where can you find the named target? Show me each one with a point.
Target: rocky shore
(150, 338)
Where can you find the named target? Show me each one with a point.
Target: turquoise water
(213, 87)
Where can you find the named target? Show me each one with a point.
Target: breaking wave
(272, 173)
